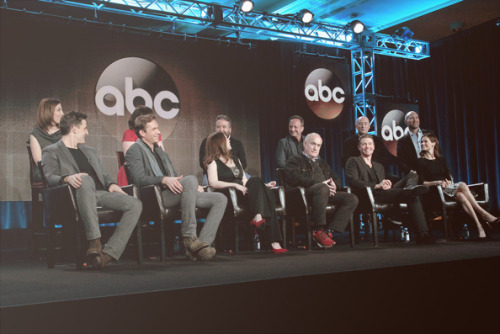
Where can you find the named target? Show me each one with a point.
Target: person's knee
(323, 190)
(220, 198)
(460, 196)
(87, 182)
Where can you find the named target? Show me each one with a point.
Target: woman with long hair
(434, 171)
(46, 130)
(224, 172)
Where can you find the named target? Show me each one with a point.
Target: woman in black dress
(434, 171)
(224, 172)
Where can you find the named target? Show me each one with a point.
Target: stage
(449, 287)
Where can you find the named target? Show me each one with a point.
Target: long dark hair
(434, 139)
(216, 147)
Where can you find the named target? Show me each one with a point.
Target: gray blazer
(357, 171)
(287, 147)
(57, 163)
(140, 169)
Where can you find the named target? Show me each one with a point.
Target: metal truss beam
(362, 64)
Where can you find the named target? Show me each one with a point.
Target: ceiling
(430, 20)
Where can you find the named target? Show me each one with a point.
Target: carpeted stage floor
(449, 287)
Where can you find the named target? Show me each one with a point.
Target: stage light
(305, 16)
(404, 33)
(245, 6)
(215, 13)
(357, 27)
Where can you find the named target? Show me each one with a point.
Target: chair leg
(236, 236)
(163, 256)
(138, 229)
(283, 229)
(309, 233)
(79, 246)
(50, 245)
(351, 231)
(445, 225)
(375, 229)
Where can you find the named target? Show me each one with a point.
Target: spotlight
(215, 13)
(305, 16)
(404, 33)
(357, 27)
(245, 6)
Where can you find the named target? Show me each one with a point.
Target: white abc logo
(128, 100)
(394, 133)
(323, 93)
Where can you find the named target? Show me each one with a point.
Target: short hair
(71, 119)
(366, 135)
(408, 114)
(139, 111)
(300, 118)
(141, 122)
(45, 112)
(306, 139)
(223, 117)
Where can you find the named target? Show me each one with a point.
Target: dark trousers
(345, 204)
(398, 194)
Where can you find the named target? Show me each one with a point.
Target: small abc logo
(324, 93)
(392, 129)
(130, 82)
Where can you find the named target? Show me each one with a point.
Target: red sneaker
(322, 239)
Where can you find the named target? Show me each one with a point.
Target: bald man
(308, 170)
(350, 147)
(408, 150)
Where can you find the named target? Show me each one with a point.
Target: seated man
(291, 144)
(149, 165)
(70, 161)
(363, 172)
(308, 170)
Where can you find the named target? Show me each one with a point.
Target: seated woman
(433, 170)
(224, 172)
(129, 138)
(46, 130)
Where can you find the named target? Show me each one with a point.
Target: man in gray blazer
(150, 165)
(363, 172)
(72, 162)
(293, 143)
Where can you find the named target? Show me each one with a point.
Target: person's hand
(271, 184)
(75, 180)
(114, 188)
(173, 183)
(241, 188)
(331, 186)
(200, 189)
(384, 185)
(445, 183)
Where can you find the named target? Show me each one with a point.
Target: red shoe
(261, 224)
(322, 239)
(280, 250)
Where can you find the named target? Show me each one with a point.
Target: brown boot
(193, 244)
(95, 247)
(101, 260)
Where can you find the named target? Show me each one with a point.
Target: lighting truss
(362, 64)
(254, 23)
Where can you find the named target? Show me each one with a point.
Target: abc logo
(132, 81)
(324, 93)
(392, 129)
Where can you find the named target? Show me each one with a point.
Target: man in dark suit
(72, 162)
(408, 150)
(291, 144)
(223, 124)
(363, 172)
(350, 147)
(149, 165)
(308, 170)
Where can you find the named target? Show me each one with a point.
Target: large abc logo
(324, 93)
(130, 82)
(392, 130)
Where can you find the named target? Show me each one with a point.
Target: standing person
(150, 165)
(291, 144)
(46, 130)
(408, 150)
(129, 138)
(308, 170)
(433, 170)
(72, 162)
(223, 124)
(350, 147)
(363, 172)
(224, 171)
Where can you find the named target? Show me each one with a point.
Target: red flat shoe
(261, 224)
(280, 250)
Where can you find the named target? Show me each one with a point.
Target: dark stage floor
(449, 287)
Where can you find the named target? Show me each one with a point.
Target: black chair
(37, 226)
(436, 204)
(298, 206)
(61, 209)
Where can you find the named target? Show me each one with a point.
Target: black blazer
(356, 171)
(350, 149)
(407, 155)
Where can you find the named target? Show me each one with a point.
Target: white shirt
(416, 140)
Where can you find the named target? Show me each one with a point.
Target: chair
(435, 203)
(120, 158)
(298, 206)
(61, 209)
(36, 203)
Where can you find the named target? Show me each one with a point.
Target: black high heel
(488, 230)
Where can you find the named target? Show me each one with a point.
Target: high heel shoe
(488, 230)
(495, 222)
(261, 224)
(280, 250)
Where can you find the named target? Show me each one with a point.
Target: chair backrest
(33, 166)
(42, 174)
(281, 176)
(120, 157)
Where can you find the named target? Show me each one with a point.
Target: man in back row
(150, 165)
(291, 144)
